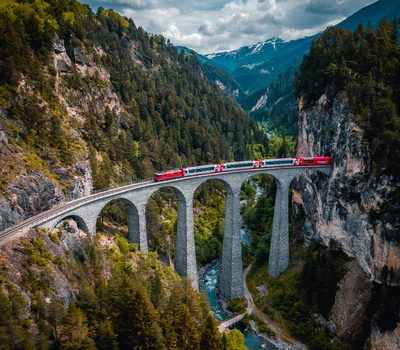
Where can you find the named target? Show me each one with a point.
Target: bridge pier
(231, 268)
(137, 226)
(279, 250)
(185, 256)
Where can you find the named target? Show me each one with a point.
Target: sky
(209, 26)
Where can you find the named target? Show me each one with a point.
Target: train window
(238, 165)
(308, 160)
(278, 162)
(200, 170)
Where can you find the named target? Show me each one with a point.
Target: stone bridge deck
(223, 326)
(86, 210)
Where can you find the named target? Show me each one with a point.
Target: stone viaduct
(86, 210)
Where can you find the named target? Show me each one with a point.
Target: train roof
(177, 170)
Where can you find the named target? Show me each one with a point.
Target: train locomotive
(242, 165)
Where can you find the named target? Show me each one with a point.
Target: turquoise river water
(209, 284)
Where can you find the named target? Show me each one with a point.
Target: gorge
(90, 101)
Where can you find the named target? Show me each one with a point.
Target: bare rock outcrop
(389, 340)
(351, 302)
(347, 207)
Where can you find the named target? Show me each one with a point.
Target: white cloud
(216, 25)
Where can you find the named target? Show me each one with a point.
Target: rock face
(347, 207)
(28, 196)
(28, 189)
(389, 340)
(351, 302)
(15, 257)
(351, 208)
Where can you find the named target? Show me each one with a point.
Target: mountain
(255, 66)
(88, 100)
(247, 54)
(93, 101)
(216, 74)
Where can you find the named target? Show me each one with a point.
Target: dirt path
(252, 308)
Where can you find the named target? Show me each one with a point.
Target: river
(208, 283)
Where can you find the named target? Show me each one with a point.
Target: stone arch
(221, 178)
(179, 193)
(185, 255)
(178, 199)
(78, 219)
(133, 218)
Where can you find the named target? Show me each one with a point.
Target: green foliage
(280, 111)
(140, 305)
(54, 238)
(258, 216)
(237, 305)
(36, 252)
(281, 147)
(308, 287)
(322, 270)
(209, 220)
(171, 115)
(211, 338)
(15, 330)
(234, 340)
(363, 66)
(75, 331)
(262, 327)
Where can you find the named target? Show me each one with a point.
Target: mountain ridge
(255, 70)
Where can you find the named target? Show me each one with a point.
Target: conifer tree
(145, 330)
(211, 338)
(186, 330)
(74, 333)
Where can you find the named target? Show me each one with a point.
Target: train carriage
(202, 170)
(278, 162)
(311, 161)
(249, 164)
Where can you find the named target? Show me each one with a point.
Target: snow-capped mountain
(256, 66)
(247, 55)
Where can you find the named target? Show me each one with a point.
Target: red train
(242, 165)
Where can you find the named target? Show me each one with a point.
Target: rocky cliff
(356, 207)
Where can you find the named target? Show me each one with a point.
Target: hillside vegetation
(165, 112)
(364, 68)
(69, 292)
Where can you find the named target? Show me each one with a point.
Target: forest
(123, 299)
(363, 68)
(170, 114)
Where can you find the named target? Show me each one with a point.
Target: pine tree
(106, 338)
(211, 338)
(146, 333)
(186, 330)
(74, 333)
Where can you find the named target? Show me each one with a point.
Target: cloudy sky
(219, 25)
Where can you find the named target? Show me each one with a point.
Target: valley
(92, 106)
